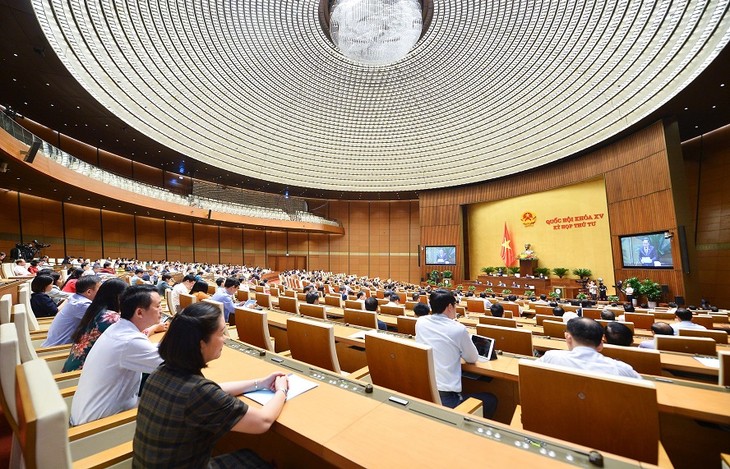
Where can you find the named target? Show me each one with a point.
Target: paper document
(297, 386)
(709, 362)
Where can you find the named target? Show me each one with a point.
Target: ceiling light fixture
(376, 32)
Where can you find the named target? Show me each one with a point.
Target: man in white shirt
(68, 318)
(658, 328)
(20, 269)
(183, 287)
(451, 342)
(112, 373)
(684, 321)
(583, 336)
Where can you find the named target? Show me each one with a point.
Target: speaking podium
(527, 266)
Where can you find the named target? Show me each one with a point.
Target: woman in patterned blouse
(102, 313)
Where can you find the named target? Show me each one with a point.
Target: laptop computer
(485, 347)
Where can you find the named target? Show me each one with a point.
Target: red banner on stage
(508, 254)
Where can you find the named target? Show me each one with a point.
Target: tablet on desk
(485, 347)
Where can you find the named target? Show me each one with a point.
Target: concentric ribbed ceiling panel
(493, 88)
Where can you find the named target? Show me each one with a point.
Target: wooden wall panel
(115, 164)
(379, 241)
(9, 221)
(340, 251)
(179, 241)
(118, 235)
(298, 244)
(254, 247)
(231, 247)
(399, 240)
(79, 149)
(206, 243)
(707, 164)
(147, 174)
(319, 252)
(42, 220)
(83, 231)
(150, 238)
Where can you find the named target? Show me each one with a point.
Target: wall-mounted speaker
(30, 156)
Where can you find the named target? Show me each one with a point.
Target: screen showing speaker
(647, 250)
(440, 255)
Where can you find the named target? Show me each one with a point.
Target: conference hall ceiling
(492, 88)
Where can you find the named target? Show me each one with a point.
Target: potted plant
(506, 292)
(488, 270)
(612, 298)
(581, 296)
(560, 271)
(554, 295)
(652, 291)
(542, 271)
(489, 291)
(529, 294)
(435, 276)
(513, 270)
(582, 273)
(447, 277)
(472, 288)
(459, 287)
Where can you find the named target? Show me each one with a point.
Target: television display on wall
(647, 251)
(440, 255)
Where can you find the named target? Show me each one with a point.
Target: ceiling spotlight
(376, 32)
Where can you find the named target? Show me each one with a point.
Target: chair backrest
(406, 325)
(259, 289)
(288, 304)
(674, 343)
(24, 299)
(604, 323)
(642, 321)
(402, 365)
(645, 361)
(353, 304)
(629, 427)
(314, 311)
(393, 310)
(360, 317)
(186, 300)
(539, 318)
(494, 321)
(214, 302)
(168, 300)
(6, 305)
(9, 360)
(302, 297)
(720, 318)
(592, 313)
(253, 328)
(544, 310)
(554, 329)
(25, 345)
(312, 342)
(211, 288)
(42, 418)
(475, 305)
(658, 315)
(333, 300)
(718, 336)
(508, 339)
(274, 291)
(514, 308)
(411, 304)
(724, 379)
(241, 295)
(7, 270)
(263, 299)
(703, 320)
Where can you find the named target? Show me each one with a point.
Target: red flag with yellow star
(508, 254)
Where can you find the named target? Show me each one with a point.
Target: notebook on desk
(485, 347)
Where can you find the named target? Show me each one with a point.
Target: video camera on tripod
(27, 251)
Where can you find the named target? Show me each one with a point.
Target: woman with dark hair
(74, 274)
(200, 290)
(182, 414)
(101, 313)
(42, 304)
